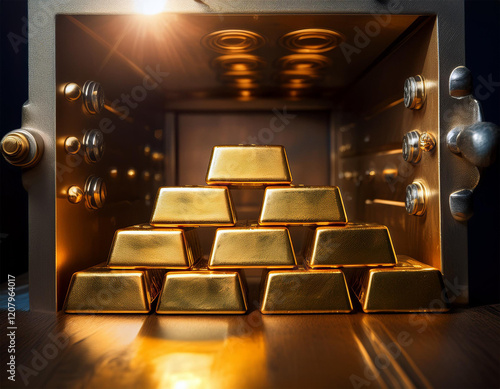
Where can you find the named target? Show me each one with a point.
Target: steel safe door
(122, 103)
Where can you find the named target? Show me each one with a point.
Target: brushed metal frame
(39, 115)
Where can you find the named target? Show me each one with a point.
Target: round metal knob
(22, 148)
(72, 145)
(93, 97)
(427, 141)
(72, 91)
(461, 204)
(95, 192)
(411, 147)
(414, 92)
(93, 141)
(478, 143)
(75, 194)
(460, 83)
(415, 199)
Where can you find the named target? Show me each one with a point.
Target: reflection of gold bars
(302, 205)
(144, 246)
(252, 247)
(411, 286)
(351, 245)
(193, 206)
(248, 165)
(305, 291)
(103, 290)
(202, 291)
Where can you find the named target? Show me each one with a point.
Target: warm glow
(149, 7)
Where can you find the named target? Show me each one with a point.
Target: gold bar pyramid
(201, 291)
(302, 205)
(248, 165)
(353, 245)
(193, 206)
(305, 291)
(252, 247)
(194, 285)
(411, 286)
(103, 290)
(145, 247)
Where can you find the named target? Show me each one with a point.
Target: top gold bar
(248, 165)
(302, 205)
(193, 206)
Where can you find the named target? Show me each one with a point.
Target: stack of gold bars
(163, 261)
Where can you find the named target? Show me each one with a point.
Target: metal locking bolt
(93, 141)
(414, 92)
(95, 192)
(411, 147)
(414, 143)
(93, 97)
(415, 199)
(22, 148)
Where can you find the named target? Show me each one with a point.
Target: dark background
(482, 22)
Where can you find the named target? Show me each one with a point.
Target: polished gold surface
(252, 247)
(310, 62)
(305, 291)
(193, 206)
(103, 290)
(248, 165)
(349, 245)
(72, 91)
(238, 62)
(72, 145)
(75, 194)
(298, 79)
(427, 141)
(241, 79)
(377, 200)
(15, 146)
(302, 205)
(144, 246)
(233, 41)
(410, 286)
(311, 40)
(202, 292)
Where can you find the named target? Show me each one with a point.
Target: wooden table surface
(452, 350)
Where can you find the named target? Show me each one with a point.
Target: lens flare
(149, 7)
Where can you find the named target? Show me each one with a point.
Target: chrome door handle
(477, 142)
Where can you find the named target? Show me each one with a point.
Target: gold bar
(410, 286)
(305, 291)
(302, 205)
(252, 247)
(192, 206)
(103, 290)
(248, 165)
(202, 292)
(144, 247)
(351, 245)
